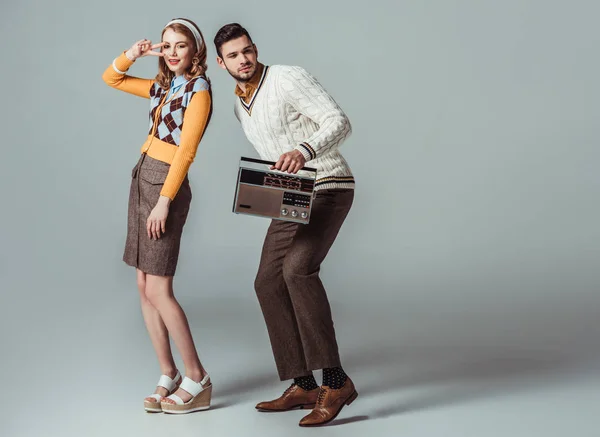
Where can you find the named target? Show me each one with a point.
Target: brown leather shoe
(294, 397)
(329, 404)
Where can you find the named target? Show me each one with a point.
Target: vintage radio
(263, 192)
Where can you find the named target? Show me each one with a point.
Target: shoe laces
(289, 389)
(321, 397)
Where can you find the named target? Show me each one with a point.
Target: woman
(159, 200)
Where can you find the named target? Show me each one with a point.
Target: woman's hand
(157, 220)
(143, 48)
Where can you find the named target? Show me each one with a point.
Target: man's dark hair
(227, 33)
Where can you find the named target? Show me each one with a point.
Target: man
(291, 120)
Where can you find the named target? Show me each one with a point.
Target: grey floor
(422, 368)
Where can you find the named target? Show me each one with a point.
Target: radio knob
(304, 214)
(294, 213)
(284, 211)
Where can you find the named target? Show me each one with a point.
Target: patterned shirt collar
(176, 83)
(251, 85)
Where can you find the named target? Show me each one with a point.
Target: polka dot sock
(306, 382)
(334, 377)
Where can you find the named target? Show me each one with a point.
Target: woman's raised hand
(143, 48)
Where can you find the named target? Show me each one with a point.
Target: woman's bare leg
(158, 333)
(159, 291)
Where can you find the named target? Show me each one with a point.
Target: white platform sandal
(201, 393)
(164, 381)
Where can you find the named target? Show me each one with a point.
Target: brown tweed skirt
(155, 257)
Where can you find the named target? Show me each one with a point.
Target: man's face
(239, 58)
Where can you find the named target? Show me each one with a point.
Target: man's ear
(221, 63)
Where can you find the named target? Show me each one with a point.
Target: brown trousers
(291, 295)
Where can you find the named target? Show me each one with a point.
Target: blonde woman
(160, 197)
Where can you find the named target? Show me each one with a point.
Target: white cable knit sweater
(291, 110)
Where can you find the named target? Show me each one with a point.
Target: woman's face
(178, 51)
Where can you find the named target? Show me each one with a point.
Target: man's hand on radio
(291, 162)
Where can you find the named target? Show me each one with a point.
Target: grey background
(463, 284)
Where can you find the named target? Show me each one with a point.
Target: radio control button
(294, 213)
(284, 211)
(304, 214)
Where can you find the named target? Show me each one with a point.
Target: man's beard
(239, 78)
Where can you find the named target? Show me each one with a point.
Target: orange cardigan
(195, 118)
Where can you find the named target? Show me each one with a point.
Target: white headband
(192, 29)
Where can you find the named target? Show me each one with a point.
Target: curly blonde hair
(198, 68)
